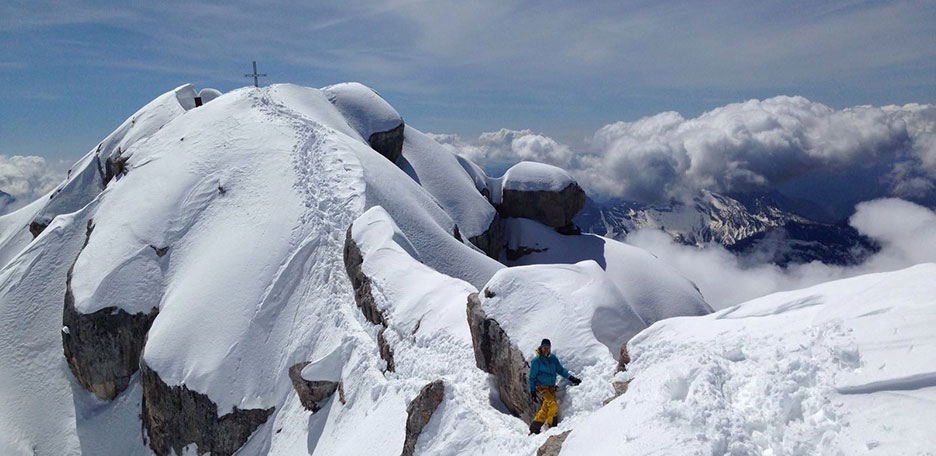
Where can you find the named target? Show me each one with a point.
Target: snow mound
(582, 312)
(803, 372)
(531, 177)
(438, 171)
(364, 108)
(207, 94)
(654, 289)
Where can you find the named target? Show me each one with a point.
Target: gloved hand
(575, 380)
(533, 395)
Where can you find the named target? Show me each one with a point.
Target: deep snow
(249, 199)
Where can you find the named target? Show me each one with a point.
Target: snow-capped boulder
(654, 289)
(419, 411)
(310, 392)
(176, 417)
(103, 347)
(497, 355)
(207, 94)
(540, 192)
(370, 115)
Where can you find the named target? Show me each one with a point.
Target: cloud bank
(757, 144)
(26, 178)
(904, 231)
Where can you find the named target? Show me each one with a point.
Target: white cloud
(756, 144)
(903, 230)
(27, 178)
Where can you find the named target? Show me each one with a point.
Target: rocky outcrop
(363, 296)
(310, 392)
(36, 228)
(388, 143)
(553, 445)
(619, 389)
(102, 348)
(353, 260)
(623, 358)
(175, 417)
(386, 353)
(497, 355)
(491, 241)
(419, 412)
(554, 209)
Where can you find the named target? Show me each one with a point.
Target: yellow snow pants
(550, 407)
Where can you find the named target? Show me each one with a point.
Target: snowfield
(199, 254)
(846, 367)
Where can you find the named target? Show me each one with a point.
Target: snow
(253, 195)
(207, 94)
(802, 372)
(438, 170)
(576, 306)
(364, 108)
(531, 176)
(653, 288)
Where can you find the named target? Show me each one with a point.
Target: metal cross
(255, 75)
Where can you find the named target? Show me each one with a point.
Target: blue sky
(72, 71)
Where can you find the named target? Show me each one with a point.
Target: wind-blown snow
(845, 367)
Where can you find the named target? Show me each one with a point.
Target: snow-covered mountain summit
(283, 270)
(290, 270)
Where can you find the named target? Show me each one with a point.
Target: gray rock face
(353, 260)
(554, 209)
(36, 228)
(102, 348)
(497, 355)
(553, 445)
(419, 412)
(491, 241)
(175, 417)
(363, 296)
(388, 143)
(310, 392)
(623, 358)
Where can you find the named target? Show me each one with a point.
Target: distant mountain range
(766, 225)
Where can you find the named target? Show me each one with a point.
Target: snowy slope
(227, 223)
(846, 367)
(654, 289)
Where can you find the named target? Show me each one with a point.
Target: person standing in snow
(543, 372)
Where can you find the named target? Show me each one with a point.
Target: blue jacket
(543, 370)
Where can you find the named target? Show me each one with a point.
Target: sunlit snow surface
(846, 367)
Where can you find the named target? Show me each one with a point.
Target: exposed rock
(419, 412)
(310, 392)
(114, 167)
(619, 389)
(175, 417)
(553, 445)
(385, 351)
(623, 358)
(36, 228)
(495, 354)
(160, 251)
(521, 251)
(388, 143)
(353, 260)
(102, 348)
(341, 396)
(554, 209)
(491, 241)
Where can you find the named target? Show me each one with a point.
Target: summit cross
(255, 75)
